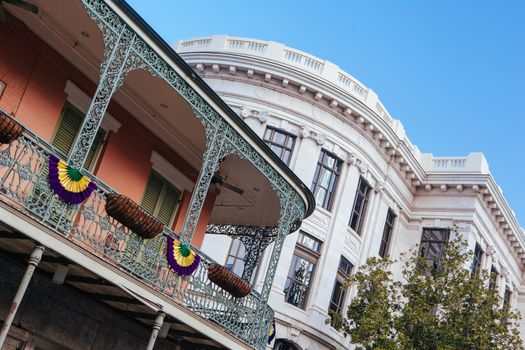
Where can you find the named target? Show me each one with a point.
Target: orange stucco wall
(207, 208)
(35, 76)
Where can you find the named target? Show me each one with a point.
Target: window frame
(340, 278)
(283, 147)
(442, 243)
(388, 231)
(305, 253)
(477, 260)
(493, 278)
(363, 210)
(335, 171)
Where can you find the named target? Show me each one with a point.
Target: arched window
(283, 344)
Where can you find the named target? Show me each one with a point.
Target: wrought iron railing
(24, 186)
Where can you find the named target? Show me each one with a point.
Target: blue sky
(452, 71)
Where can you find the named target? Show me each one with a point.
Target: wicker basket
(228, 281)
(131, 215)
(9, 129)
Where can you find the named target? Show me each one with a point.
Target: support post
(34, 259)
(210, 165)
(112, 73)
(155, 331)
(284, 227)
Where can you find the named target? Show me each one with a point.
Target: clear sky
(453, 71)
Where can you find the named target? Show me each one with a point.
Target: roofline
(170, 52)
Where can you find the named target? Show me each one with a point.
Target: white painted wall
(266, 88)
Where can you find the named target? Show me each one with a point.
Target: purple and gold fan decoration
(68, 183)
(181, 258)
(271, 332)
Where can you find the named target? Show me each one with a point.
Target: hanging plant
(68, 183)
(272, 331)
(131, 215)
(9, 129)
(181, 258)
(228, 281)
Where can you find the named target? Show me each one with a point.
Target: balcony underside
(16, 248)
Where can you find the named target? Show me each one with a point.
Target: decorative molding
(247, 112)
(80, 100)
(171, 173)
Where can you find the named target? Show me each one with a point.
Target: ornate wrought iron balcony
(24, 186)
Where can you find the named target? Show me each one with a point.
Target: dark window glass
(281, 142)
(360, 203)
(339, 292)
(309, 242)
(325, 179)
(387, 233)
(433, 244)
(493, 280)
(506, 300)
(345, 266)
(476, 261)
(298, 281)
(338, 296)
(281, 344)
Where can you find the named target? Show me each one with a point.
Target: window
(67, 130)
(235, 260)
(339, 293)
(301, 271)
(325, 178)
(476, 261)
(506, 300)
(387, 233)
(433, 244)
(360, 204)
(160, 198)
(281, 142)
(281, 344)
(493, 280)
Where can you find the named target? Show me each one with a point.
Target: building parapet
(473, 163)
(278, 52)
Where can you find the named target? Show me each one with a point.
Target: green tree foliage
(443, 307)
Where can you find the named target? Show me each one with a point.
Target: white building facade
(376, 193)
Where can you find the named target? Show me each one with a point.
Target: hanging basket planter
(181, 258)
(68, 183)
(228, 281)
(9, 129)
(131, 215)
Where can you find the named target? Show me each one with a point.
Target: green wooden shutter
(168, 204)
(152, 193)
(67, 129)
